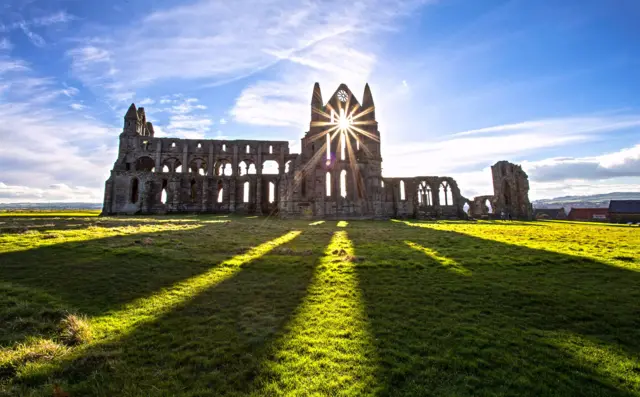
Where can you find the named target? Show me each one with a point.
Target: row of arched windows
(135, 191)
(425, 194)
(343, 184)
(247, 149)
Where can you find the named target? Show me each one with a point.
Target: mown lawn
(227, 305)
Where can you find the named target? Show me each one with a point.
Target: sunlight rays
(143, 310)
(447, 263)
(328, 345)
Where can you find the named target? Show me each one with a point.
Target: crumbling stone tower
(511, 190)
(339, 172)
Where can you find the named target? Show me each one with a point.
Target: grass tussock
(75, 330)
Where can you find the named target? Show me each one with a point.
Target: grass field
(225, 305)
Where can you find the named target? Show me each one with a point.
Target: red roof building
(589, 214)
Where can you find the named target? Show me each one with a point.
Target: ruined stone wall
(337, 175)
(163, 175)
(511, 191)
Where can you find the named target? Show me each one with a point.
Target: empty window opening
(245, 192)
(445, 194)
(270, 167)
(467, 209)
(224, 147)
(270, 149)
(228, 169)
(343, 183)
(252, 169)
(173, 144)
(179, 168)
(193, 190)
(287, 167)
(328, 182)
(402, 193)
(248, 149)
(199, 145)
(153, 169)
(163, 194)
(134, 190)
(127, 166)
(165, 168)
(242, 168)
(487, 204)
(333, 116)
(144, 163)
(220, 194)
(272, 192)
(313, 148)
(328, 146)
(201, 171)
(424, 194)
(343, 146)
(381, 183)
(357, 142)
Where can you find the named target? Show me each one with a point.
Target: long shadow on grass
(95, 276)
(515, 321)
(211, 345)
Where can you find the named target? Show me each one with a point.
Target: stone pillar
(232, 194)
(205, 194)
(159, 156)
(210, 162)
(259, 181)
(185, 158)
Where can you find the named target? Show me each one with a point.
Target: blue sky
(458, 84)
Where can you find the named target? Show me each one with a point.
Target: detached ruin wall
(338, 174)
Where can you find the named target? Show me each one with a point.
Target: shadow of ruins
(212, 344)
(458, 315)
(93, 277)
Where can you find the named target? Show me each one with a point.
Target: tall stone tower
(511, 190)
(340, 168)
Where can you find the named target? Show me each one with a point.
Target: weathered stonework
(338, 173)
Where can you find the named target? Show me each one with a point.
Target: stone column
(210, 163)
(258, 195)
(185, 158)
(205, 191)
(159, 156)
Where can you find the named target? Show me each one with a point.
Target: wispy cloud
(621, 163)
(248, 36)
(53, 146)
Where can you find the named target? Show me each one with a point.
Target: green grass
(225, 305)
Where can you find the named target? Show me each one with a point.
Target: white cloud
(247, 36)
(623, 163)
(223, 121)
(52, 146)
(146, 101)
(52, 193)
(77, 106)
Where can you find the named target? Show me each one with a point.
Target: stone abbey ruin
(337, 175)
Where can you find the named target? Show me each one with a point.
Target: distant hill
(50, 206)
(591, 201)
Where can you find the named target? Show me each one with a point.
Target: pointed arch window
(272, 192)
(328, 184)
(245, 193)
(343, 183)
(402, 192)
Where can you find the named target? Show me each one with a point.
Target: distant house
(589, 214)
(549, 213)
(624, 211)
